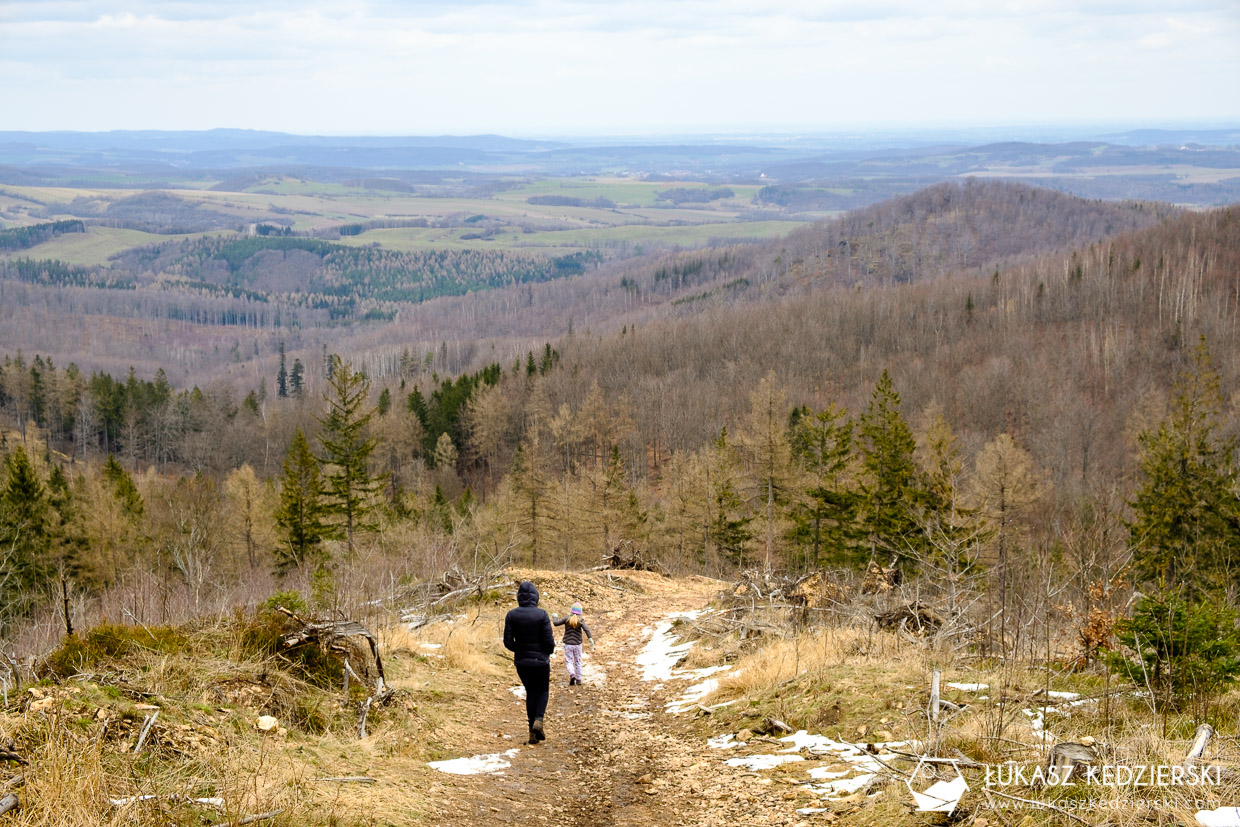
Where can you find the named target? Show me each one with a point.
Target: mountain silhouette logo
(941, 796)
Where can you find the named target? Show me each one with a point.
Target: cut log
(9, 802)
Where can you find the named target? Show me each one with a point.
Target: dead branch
(146, 729)
(1201, 739)
(348, 779)
(9, 802)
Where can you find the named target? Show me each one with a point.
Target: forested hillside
(806, 424)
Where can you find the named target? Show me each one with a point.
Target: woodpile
(881, 579)
(913, 618)
(816, 590)
(625, 556)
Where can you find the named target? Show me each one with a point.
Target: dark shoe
(572, 681)
(533, 736)
(536, 731)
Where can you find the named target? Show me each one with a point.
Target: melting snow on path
(658, 658)
(519, 691)
(969, 687)
(476, 764)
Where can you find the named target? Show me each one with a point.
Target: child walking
(574, 625)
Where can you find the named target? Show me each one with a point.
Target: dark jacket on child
(527, 630)
(572, 637)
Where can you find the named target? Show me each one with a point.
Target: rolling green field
(632, 238)
(501, 219)
(96, 246)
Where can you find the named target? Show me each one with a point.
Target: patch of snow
(824, 774)
(806, 811)
(726, 741)
(519, 691)
(763, 762)
(692, 695)
(475, 764)
(1222, 817)
(1063, 696)
(969, 687)
(844, 786)
(431, 645)
(658, 657)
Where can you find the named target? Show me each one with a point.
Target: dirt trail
(613, 756)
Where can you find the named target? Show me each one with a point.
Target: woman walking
(528, 635)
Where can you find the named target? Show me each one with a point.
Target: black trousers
(536, 678)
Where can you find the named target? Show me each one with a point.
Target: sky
(596, 67)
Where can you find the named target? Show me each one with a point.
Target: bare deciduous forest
(1009, 412)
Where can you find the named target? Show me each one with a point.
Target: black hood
(527, 594)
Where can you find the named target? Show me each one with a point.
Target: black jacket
(527, 630)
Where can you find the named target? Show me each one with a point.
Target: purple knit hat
(576, 609)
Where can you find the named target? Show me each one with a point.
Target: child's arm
(559, 621)
(586, 629)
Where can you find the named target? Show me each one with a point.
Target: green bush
(1185, 652)
(110, 641)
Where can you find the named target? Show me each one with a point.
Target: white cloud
(572, 66)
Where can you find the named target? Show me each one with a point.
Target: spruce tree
(297, 379)
(25, 538)
(824, 513)
(282, 376)
(349, 487)
(1186, 523)
(893, 492)
(300, 516)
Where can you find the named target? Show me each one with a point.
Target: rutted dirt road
(613, 755)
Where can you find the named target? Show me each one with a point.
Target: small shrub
(111, 641)
(1186, 652)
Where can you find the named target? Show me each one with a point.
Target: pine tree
(1186, 524)
(893, 491)
(301, 515)
(347, 446)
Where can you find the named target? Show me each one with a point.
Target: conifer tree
(300, 516)
(824, 512)
(893, 491)
(24, 534)
(769, 456)
(349, 488)
(531, 488)
(1186, 524)
(282, 376)
(297, 379)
